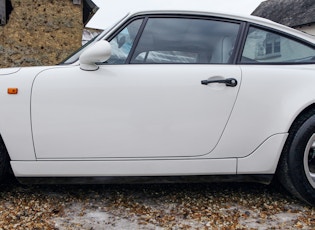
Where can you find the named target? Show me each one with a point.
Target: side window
(122, 43)
(184, 40)
(262, 46)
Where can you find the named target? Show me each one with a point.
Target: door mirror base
(98, 52)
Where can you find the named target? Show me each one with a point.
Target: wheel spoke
(309, 161)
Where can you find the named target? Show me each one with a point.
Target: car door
(167, 91)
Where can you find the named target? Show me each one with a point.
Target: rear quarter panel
(270, 98)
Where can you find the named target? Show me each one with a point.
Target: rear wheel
(297, 165)
(309, 161)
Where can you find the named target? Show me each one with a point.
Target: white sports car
(168, 94)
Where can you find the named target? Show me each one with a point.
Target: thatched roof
(292, 13)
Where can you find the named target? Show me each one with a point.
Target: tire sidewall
(296, 160)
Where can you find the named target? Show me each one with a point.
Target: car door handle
(231, 82)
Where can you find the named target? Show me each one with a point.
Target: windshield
(75, 56)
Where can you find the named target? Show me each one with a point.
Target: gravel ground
(166, 206)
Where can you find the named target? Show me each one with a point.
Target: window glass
(262, 46)
(167, 57)
(122, 43)
(183, 40)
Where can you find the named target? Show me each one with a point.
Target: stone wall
(40, 32)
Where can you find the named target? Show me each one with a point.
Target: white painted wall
(310, 29)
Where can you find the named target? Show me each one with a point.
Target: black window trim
(275, 31)
(121, 28)
(136, 41)
(146, 17)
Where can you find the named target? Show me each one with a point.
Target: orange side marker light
(13, 90)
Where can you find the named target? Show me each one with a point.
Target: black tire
(297, 163)
(4, 161)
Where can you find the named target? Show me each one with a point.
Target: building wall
(2, 12)
(310, 29)
(40, 32)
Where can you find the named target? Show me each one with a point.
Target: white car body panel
(157, 111)
(9, 71)
(264, 159)
(124, 168)
(258, 162)
(257, 88)
(15, 122)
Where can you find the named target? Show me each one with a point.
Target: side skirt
(117, 168)
(262, 179)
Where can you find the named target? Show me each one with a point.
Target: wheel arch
(5, 166)
(301, 117)
(2, 143)
(274, 148)
(283, 169)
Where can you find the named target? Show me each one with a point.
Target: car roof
(111, 11)
(107, 16)
(239, 17)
